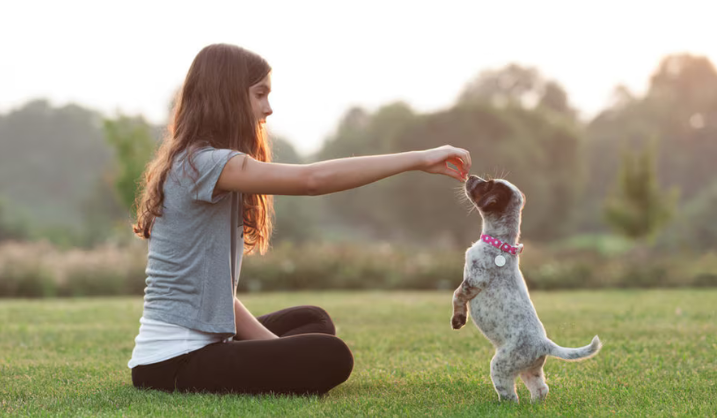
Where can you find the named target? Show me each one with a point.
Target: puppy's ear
(487, 200)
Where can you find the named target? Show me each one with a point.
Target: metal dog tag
(499, 261)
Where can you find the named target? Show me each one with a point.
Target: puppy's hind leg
(461, 297)
(534, 379)
(503, 375)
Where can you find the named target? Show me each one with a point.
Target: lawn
(68, 357)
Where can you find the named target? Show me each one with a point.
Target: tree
(296, 217)
(695, 228)
(515, 84)
(687, 80)
(366, 209)
(678, 112)
(16, 230)
(132, 140)
(638, 209)
(50, 157)
(533, 148)
(102, 212)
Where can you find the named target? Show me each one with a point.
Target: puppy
(499, 302)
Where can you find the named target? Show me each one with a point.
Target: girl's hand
(436, 160)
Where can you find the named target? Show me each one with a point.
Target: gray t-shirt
(195, 248)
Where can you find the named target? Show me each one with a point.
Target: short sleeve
(210, 163)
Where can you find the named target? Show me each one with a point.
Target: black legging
(307, 359)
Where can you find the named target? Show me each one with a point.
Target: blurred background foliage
(625, 198)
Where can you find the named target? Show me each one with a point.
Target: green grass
(69, 358)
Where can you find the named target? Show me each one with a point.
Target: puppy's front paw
(458, 321)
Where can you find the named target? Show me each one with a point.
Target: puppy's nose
(473, 181)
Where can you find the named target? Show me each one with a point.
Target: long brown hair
(213, 109)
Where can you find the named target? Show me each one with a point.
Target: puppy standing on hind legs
(499, 302)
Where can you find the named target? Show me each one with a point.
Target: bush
(40, 269)
(43, 270)
(328, 266)
(26, 280)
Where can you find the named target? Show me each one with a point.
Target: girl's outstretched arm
(245, 174)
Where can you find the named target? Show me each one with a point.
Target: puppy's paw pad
(458, 321)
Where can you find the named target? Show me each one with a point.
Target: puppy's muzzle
(477, 187)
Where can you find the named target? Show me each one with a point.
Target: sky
(328, 56)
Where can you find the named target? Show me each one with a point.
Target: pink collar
(504, 246)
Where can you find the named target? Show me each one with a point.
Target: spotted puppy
(499, 302)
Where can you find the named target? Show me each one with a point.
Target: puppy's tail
(575, 354)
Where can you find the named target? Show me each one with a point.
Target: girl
(208, 193)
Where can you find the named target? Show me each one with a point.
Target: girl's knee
(339, 360)
(320, 317)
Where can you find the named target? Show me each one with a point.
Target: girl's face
(259, 97)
